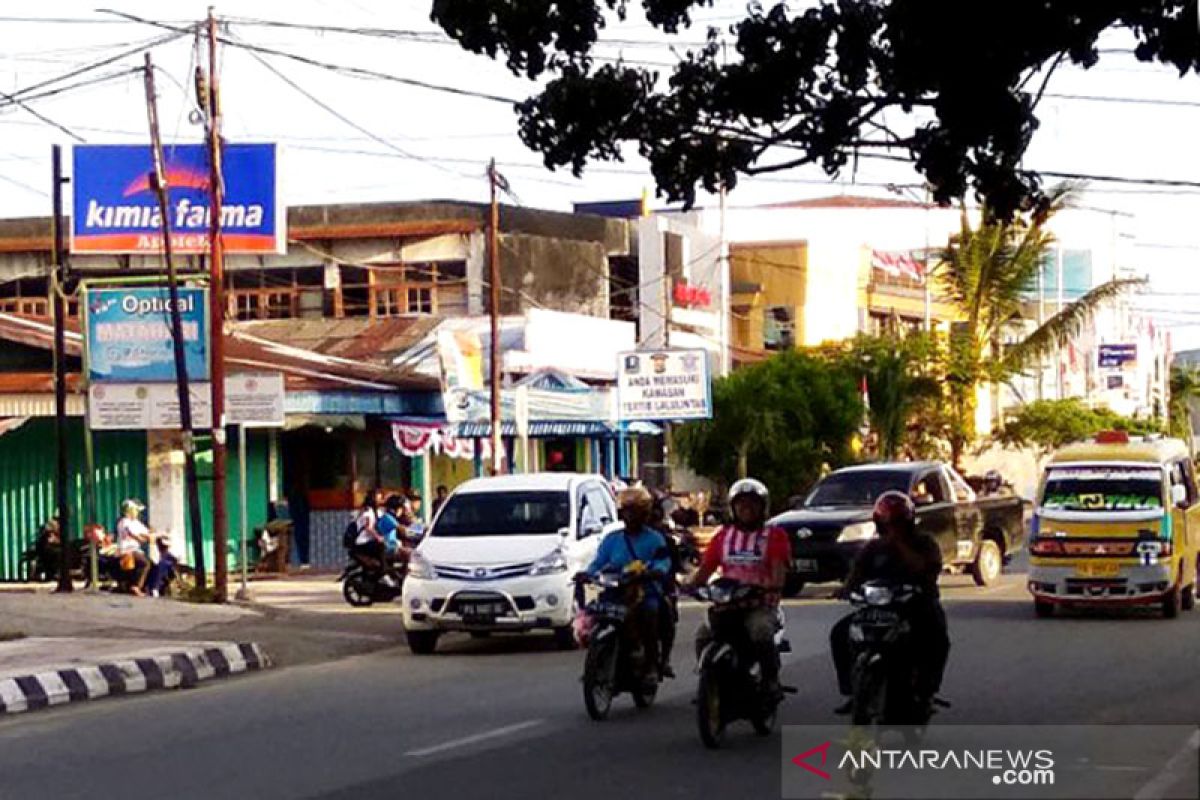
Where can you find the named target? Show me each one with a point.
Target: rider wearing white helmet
(750, 551)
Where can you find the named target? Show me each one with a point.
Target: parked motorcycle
(613, 664)
(365, 581)
(884, 673)
(731, 686)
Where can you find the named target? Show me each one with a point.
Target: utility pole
(494, 279)
(158, 180)
(668, 287)
(725, 364)
(59, 288)
(216, 191)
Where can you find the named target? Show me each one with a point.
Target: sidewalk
(288, 621)
(40, 672)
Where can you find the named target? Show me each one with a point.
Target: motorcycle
(366, 581)
(730, 686)
(613, 663)
(884, 674)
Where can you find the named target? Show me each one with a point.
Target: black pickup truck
(833, 524)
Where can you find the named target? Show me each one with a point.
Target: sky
(356, 139)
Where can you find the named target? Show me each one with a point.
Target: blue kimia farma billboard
(129, 334)
(115, 209)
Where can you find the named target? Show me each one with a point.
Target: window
(929, 489)
(856, 489)
(1103, 489)
(504, 514)
(595, 508)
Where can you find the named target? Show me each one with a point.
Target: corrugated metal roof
(37, 405)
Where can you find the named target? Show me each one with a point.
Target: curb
(178, 670)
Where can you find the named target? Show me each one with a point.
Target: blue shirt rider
(638, 548)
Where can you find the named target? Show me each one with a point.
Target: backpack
(350, 534)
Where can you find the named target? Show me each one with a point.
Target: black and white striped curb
(170, 670)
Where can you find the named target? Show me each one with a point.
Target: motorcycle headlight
(419, 567)
(878, 595)
(549, 564)
(858, 532)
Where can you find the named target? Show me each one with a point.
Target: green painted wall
(27, 471)
(257, 494)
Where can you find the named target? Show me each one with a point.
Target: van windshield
(1103, 489)
(503, 514)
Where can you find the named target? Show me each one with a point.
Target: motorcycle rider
(751, 552)
(903, 555)
(638, 548)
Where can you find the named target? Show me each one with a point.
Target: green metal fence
(27, 463)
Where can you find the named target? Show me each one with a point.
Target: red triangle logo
(802, 759)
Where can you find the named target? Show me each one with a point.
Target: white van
(501, 554)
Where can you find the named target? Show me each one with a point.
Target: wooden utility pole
(494, 280)
(58, 288)
(216, 191)
(158, 180)
(668, 301)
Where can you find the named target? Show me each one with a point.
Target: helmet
(394, 503)
(750, 486)
(133, 505)
(636, 498)
(895, 508)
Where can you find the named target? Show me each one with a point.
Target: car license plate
(1098, 570)
(481, 611)
(805, 565)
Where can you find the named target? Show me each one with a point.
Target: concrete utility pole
(158, 180)
(216, 190)
(62, 467)
(494, 279)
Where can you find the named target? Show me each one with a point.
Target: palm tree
(1185, 387)
(894, 368)
(988, 272)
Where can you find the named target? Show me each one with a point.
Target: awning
(355, 422)
(554, 428)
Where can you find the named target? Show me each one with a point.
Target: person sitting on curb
(132, 534)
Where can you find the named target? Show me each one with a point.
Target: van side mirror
(1179, 496)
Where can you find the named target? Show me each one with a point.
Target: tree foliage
(778, 420)
(1185, 390)
(902, 376)
(989, 271)
(811, 84)
(1047, 425)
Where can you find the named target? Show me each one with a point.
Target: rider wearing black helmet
(900, 554)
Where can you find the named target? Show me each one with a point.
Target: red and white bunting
(897, 264)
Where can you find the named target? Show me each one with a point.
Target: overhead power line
(361, 72)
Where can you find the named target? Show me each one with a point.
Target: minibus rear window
(1103, 489)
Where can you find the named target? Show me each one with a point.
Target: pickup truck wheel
(988, 563)
(792, 586)
(1042, 609)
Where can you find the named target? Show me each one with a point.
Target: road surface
(503, 717)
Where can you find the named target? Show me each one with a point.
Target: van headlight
(550, 564)
(420, 567)
(858, 532)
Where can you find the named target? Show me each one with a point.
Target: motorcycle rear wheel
(644, 698)
(357, 593)
(869, 698)
(708, 711)
(599, 679)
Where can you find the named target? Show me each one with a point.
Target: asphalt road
(503, 717)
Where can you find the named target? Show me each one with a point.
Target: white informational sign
(663, 385)
(145, 406)
(254, 400)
